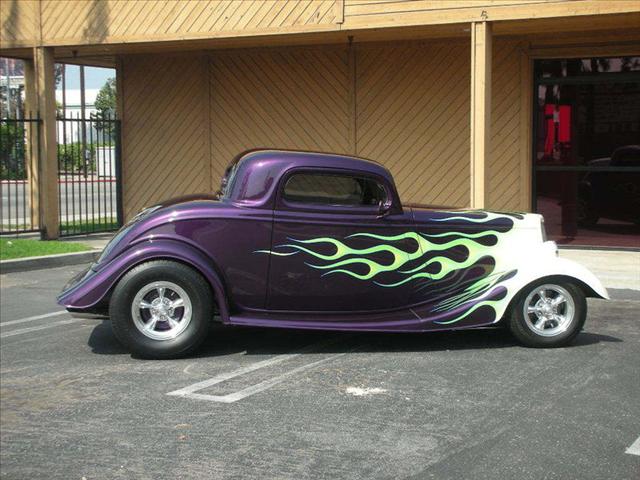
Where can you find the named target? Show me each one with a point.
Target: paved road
(79, 200)
(291, 405)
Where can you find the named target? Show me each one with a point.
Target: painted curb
(48, 261)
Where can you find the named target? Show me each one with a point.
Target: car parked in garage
(323, 241)
(613, 194)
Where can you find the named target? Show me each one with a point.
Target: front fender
(96, 284)
(548, 264)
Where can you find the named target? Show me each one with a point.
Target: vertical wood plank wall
(186, 117)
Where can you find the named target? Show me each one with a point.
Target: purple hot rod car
(322, 241)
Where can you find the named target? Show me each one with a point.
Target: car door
(331, 249)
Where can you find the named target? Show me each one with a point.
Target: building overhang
(106, 30)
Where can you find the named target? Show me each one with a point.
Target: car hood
(188, 199)
(600, 162)
(464, 217)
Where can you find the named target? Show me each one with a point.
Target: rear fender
(97, 284)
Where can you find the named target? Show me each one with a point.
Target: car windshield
(227, 181)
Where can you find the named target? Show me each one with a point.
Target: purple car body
(273, 261)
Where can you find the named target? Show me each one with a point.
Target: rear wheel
(548, 313)
(161, 309)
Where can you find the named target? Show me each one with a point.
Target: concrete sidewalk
(614, 268)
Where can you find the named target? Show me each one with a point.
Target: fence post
(119, 205)
(48, 155)
(31, 151)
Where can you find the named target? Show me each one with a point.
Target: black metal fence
(89, 174)
(18, 160)
(89, 177)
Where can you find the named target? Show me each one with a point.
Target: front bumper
(73, 288)
(88, 315)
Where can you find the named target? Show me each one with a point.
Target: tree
(106, 98)
(105, 104)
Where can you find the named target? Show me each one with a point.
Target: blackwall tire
(161, 309)
(548, 313)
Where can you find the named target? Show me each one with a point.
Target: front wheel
(161, 309)
(548, 313)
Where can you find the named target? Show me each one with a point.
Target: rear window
(331, 189)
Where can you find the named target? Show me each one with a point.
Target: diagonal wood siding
(186, 117)
(18, 22)
(165, 129)
(296, 99)
(506, 144)
(79, 23)
(413, 116)
(82, 21)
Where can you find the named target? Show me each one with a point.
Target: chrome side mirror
(384, 208)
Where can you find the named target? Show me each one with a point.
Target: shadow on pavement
(224, 340)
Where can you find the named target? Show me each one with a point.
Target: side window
(330, 189)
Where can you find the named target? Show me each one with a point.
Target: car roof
(254, 174)
(303, 158)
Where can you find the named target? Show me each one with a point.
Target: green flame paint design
(342, 258)
(338, 262)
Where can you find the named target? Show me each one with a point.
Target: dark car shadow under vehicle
(224, 340)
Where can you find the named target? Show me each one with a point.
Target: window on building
(587, 150)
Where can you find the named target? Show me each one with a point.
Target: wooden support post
(480, 112)
(48, 155)
(31, 151)
(526, 129)
(353, 114)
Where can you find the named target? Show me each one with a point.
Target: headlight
(144, 212)
(76, 279)
(123, 231)
(114, 241)
(543, 230)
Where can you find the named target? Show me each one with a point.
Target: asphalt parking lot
(295, 405)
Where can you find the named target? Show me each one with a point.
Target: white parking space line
(190, 390)
(186, 391)
(39, 327)
(258, 387)
(35, 317)
(634, 449)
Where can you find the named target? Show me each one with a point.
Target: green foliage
(19, 248)
(72, 158)
(12, 151)
(105, 105)
(106, 98)
(103, 224)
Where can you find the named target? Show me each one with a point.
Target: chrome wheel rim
(161, 310)
(549, 310)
